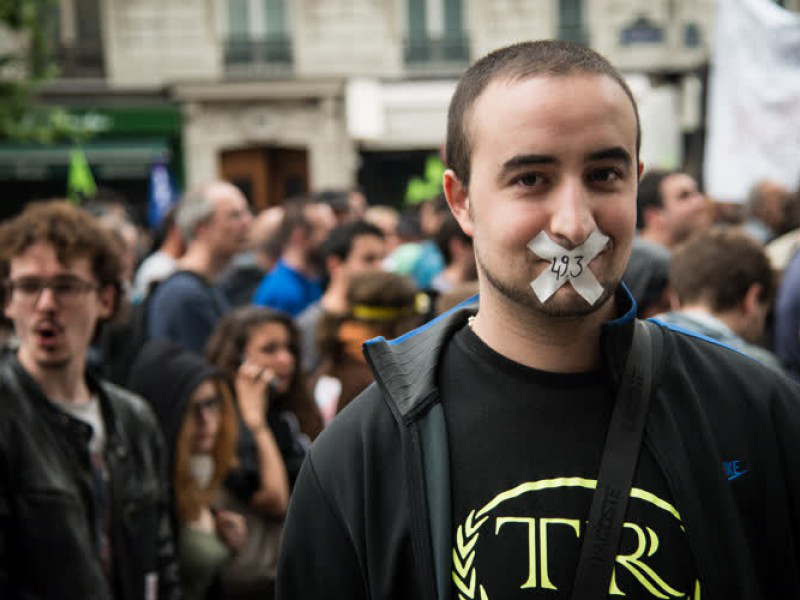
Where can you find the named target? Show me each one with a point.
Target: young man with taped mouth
(540, 442)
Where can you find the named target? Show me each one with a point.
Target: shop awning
(128, 159)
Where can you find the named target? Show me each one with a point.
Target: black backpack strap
(614, 482)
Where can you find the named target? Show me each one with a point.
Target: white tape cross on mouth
(568, 266)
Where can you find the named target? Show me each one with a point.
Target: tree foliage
(24, 68)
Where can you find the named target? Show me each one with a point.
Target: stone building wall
(153, 43)
(312, 124)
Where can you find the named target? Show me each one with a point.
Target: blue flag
(163, 194)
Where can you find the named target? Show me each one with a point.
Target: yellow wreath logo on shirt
(464, 558)
(467, 534)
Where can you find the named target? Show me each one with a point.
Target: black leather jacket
(48, 543)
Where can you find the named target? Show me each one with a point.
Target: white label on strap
(151, 586)
(568, 266)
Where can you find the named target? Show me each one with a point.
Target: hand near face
(251, 394)
(231, 528)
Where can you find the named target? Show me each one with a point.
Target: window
(256, 36)
(692, 35)
(436, 32)
(79, 50)
(570, 21)
(641, 31)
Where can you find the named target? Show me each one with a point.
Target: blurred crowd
(725, 272)
(244, 332)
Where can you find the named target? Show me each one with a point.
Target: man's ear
(299, 237)
(752, 299)
(108, 299)
(652, 217)
(458, 199)
(201, 227)
(332, 264)
(672, 299)
(8, 311)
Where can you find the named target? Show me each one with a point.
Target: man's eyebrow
(615, 153)
(525, 160)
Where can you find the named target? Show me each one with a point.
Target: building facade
(285, 97)
(357, 90)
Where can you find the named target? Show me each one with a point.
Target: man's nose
(571, 219)
(46, 299)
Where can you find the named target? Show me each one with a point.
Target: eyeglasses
(67, 290)
(212, 405)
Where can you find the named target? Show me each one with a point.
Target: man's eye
(29, 287)
(605, 175)
(66, 287)
(529, 180)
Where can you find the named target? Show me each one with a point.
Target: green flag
(80, 184)
(419, 189)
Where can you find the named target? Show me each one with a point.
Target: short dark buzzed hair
(340, 240)
(648, 194)
(294, 217)
(517, 62)
(718, 267)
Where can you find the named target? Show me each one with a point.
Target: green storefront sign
(122, 144)
(132, 121)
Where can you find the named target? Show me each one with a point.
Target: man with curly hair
(83, 502)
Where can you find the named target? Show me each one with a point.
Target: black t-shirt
(525, 449)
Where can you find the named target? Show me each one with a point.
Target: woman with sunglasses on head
(194, 406)
(258, 350)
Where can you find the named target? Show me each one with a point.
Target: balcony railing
(80, 59)
(446, 52)
(247, 57)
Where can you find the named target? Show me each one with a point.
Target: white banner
(754, 99)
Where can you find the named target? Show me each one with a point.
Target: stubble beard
(53, 364)
(30, 358)
(525, 297)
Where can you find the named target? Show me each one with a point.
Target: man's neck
(656, 237)
(66, 384)
(199, 259)
(557, 345)
(296, 259)
(173, 247)
(334, 300)
(732, 319)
